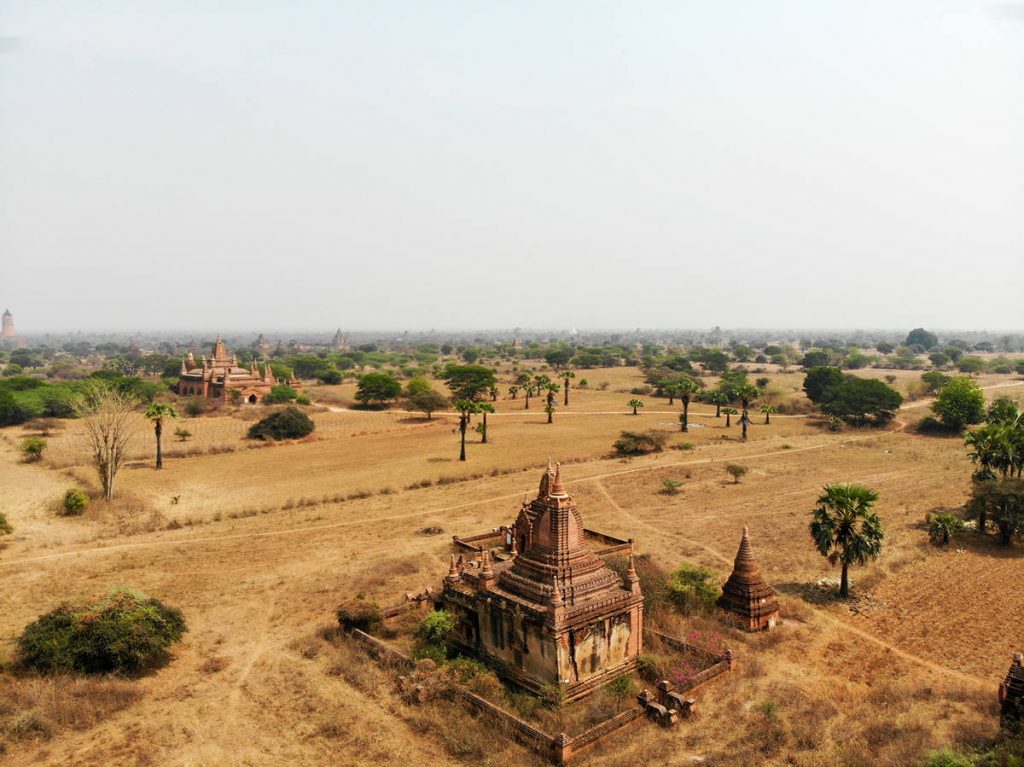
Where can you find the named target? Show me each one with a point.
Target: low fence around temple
(607, 545)
(560, 749)
(718, 664)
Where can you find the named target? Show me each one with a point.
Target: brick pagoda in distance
(545, 609)
(747, 600)
(220, 375)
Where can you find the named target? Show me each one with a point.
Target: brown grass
(255, 579)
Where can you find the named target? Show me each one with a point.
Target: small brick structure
(1011, 694)
(747, 600)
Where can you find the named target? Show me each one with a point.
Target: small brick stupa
(747, 600)
(1011, 693)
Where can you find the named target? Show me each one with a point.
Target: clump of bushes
(432, 634)
(33, 448)
(124, 631)
(735, 471)
(640, 442)
(290, 423)
(74, 502)
(360, 613)
(692, 590)
(5, 526)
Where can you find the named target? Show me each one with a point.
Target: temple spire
(557, 488)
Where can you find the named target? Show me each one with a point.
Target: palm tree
(673, 389)
(494, 394)
(768, 411)
(528, 390)
(729, 413)
(845, 529)
(157, 412)
(635, 403)
(943, 527)
(565, 375)
(687, 387)
(513, 390)
(718, 398)
(985, 442)
(466, 408)
(549, 407)
(745, 422)
(745, 392)
(484, 408)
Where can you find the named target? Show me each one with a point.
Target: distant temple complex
(341, 342)
(220, 376)
(544, 609)
(747, 600)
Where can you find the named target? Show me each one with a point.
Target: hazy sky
(426, 164)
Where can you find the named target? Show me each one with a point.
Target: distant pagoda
(747, 600)
(1011, 694)
(8, 330)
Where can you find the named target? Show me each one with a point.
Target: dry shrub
(36, 707)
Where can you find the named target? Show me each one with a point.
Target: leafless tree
(106, 413)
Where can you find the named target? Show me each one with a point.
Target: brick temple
(1011, 694)
(747, 600)
(542, 607)
(220, 375)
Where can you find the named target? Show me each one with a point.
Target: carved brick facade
(547, 610)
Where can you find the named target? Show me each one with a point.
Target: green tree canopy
(960, 402)
(469, 382)
(377, 388)
(921, 337)
(855, 400)
(819, 380)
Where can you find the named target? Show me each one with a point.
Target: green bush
(692, 590)
(33, 448)
(960, 402)
(435, 627)
(280, 395)
(302, 399)
(359, 613)
(621, 687)
(5, 526)
(290, 423)
(947, 758)
(74, 502)
(640, 442)
(125, 631)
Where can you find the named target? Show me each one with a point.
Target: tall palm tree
(745, 393)
(845, 529)
(157, 412)
(565, 375)
(484, 408)
(466, 408)
(729, 413)
(768, 411)
(985, 442)
(687, 388)
(673, 389)
(513, 390)
(718, 398)
(549, 407)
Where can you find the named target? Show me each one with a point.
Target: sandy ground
(270, 540)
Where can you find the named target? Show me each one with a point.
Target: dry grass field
(257, 545)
